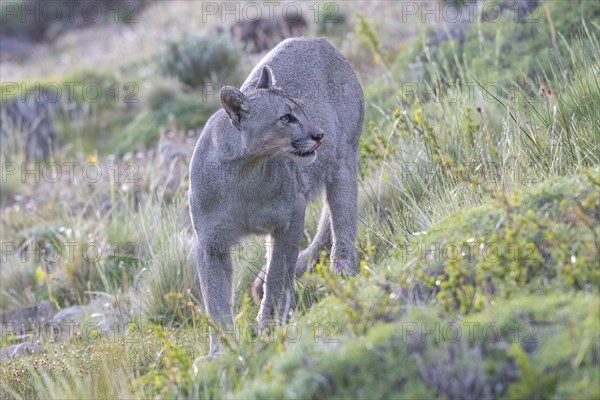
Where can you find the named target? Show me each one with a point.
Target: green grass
(516, 170)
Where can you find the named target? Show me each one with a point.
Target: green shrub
(535, 241)
(332, 19)
(189, 112)
(505, 47)
(200, 59)
(161, 94)
(391, 360)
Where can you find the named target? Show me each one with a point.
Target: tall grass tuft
(168, 285)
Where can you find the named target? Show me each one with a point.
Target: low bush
(200, 59)
(539, 240)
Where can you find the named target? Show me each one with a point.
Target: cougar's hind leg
(307, 257)
(321, 241)
(342, 194)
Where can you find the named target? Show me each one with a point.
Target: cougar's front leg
(278, 299)
(215, 271)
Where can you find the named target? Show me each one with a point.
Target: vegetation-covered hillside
(479, 190)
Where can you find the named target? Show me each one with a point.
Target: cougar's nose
(317, 136)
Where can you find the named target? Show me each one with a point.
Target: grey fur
(245, 180)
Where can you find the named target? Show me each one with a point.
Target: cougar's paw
(344, 266)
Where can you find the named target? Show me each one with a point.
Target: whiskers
(274, 153)
(280, 154)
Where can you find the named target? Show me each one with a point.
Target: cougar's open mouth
(309, 153)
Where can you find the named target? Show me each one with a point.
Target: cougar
(290, 131)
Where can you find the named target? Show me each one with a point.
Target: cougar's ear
(266, 80)
(235, 103)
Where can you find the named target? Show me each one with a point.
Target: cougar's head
(271, 122)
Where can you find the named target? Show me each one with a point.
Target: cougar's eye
(287, 119)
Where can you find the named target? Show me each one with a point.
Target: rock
(108, 317)
(25, 318)
(98, 314)
(70, 314)
(43, 319)
(20, 349)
